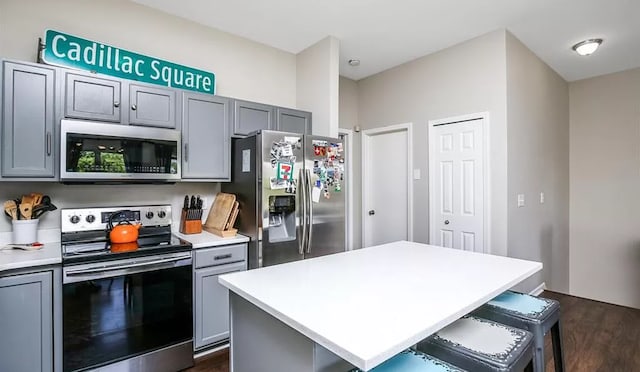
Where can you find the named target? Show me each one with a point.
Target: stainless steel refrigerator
(291, 191)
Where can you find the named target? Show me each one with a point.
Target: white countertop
(370, 304)
(50, 254)
(206, 239)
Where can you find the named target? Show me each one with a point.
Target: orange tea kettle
(124, 231)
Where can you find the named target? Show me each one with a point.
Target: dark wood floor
(596, 336)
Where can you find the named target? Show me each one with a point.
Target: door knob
(372, 212)
(446, 222)
(134, 107)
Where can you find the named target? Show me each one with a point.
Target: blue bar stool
(535, 314)
(413, 361)
(481, 345)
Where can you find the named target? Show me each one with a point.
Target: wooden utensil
(36, 198)
(11, 208)
(220, 211)
(234, 215)
(26, 207)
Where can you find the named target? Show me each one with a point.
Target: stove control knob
(149, 215)
(74, 219)
(90, 218)
(162, 214)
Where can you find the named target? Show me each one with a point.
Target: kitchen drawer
(220, 255)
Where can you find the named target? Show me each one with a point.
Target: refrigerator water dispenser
(282, 218)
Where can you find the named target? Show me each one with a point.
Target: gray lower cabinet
(152, 106)
(92, 98)
(205, 137)
(249, 117)
(211, 311)
(28, 121)
(295, 121)
(26, 323)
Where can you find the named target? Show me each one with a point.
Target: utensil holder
(24, 231)
(190, 226)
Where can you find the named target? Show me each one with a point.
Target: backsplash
(79, 196)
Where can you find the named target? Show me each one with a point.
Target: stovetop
(85, 239)
(93, 251)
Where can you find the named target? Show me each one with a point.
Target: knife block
(190, 226)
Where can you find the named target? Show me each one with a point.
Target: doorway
(387, 189)
(458, 182)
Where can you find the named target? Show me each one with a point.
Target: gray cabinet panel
(212, 304)
(296, 121)
(92, 98)
(152, 106)
(28, 121)
(26, 309)
(249, 117)
(206, 138)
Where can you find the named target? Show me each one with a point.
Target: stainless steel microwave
(95, 152)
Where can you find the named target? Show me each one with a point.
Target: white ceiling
(386, 33)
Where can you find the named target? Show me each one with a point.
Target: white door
(386, 200)
(458, 181)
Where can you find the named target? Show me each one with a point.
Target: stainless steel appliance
(128, 306)
(291, 190)
(98, 152)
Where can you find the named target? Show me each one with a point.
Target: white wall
(318, 72)
(464, 79)
(605, 184)
(538, 161)
(348, 120)
(244, 69)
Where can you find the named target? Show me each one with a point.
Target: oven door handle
(126, 268)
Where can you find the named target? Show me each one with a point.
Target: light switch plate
(520, 200)
(416, 174)
(541, 198)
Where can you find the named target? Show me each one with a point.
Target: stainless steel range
(126, 306)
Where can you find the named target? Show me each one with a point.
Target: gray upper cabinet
(28, 121)
(296, 121)
(249, 117)
(206, 137)
(92, 98)
(26, 323)
(152, 106)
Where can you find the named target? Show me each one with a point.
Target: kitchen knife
(193, 202)
(198, 202)
(186, 202)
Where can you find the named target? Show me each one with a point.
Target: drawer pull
(222, 257)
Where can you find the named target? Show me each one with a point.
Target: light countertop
(367, 305)
(50, 254)
(206, 239)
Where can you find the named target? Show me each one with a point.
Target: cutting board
(220, 211)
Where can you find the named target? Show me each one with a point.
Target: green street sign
(71, 51)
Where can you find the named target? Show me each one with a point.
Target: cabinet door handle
(134, 107)
(116, 104)
(186, 152)
(48, 143)
(223, 257)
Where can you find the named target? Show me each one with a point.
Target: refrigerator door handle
(303, 216)
(310, 210)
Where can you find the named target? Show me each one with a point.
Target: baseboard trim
(200, 354)
(538, 290)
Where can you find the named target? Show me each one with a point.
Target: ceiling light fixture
(587, 47)
(354, 62)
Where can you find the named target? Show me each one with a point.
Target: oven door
(118, 310)
(93, 151)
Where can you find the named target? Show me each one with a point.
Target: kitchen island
(358, 308)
